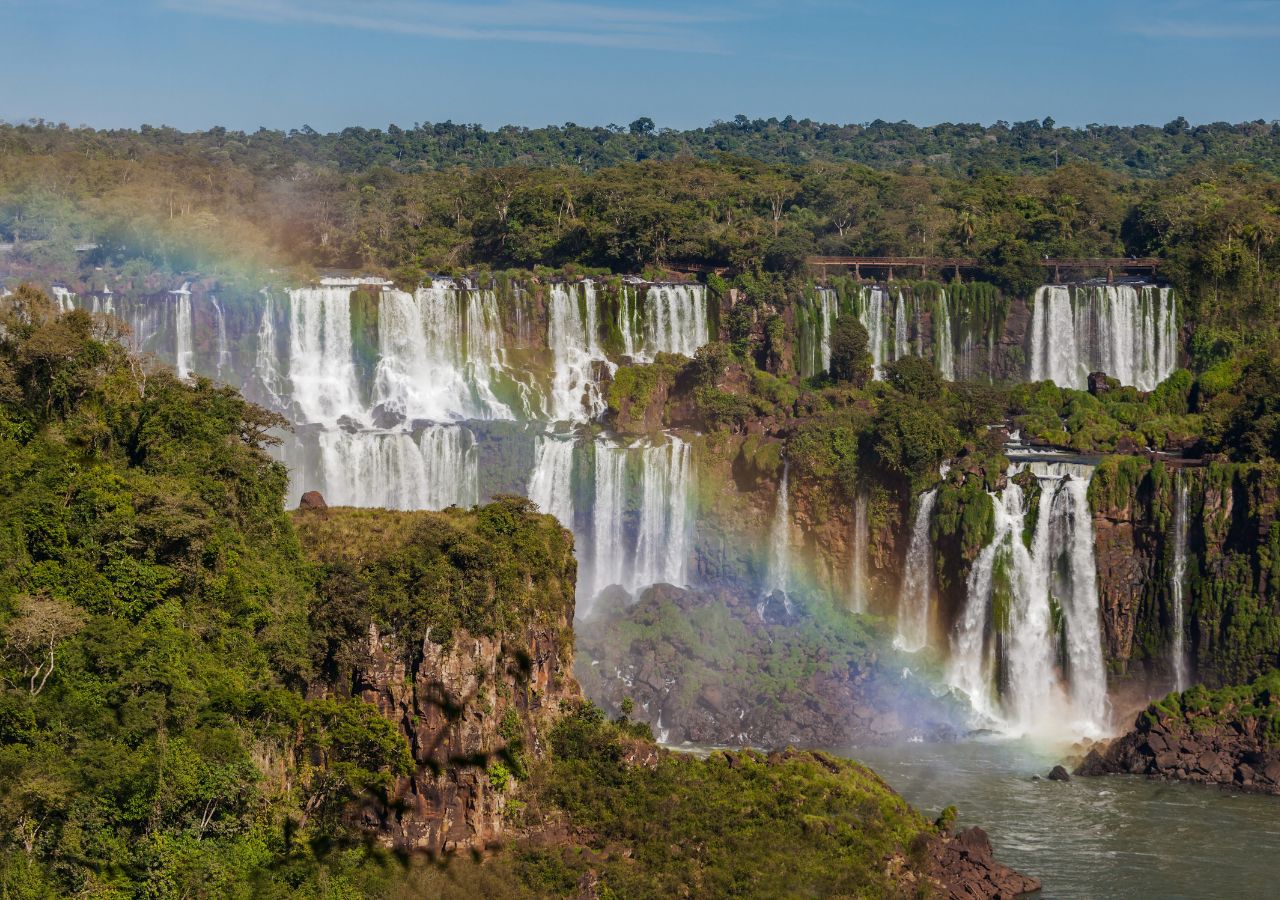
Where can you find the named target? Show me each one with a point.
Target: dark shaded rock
(1058, 773)
(1204, 747)
(312, 500)
(350, 424)
(1098, 384)
(385, 417)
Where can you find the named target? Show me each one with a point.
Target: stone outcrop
(1226, 749)
(464, 706)
(965, 868)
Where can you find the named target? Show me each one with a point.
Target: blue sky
(332, 63)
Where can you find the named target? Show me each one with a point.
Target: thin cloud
(1197, 20)
(585, 24)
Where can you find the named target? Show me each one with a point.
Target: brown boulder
(312, 500)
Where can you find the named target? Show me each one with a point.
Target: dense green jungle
(208, 695)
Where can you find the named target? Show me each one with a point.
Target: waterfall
(572, 334)
(1027, 649)
(1128, 332)
(778, 575)
(437, 351)
(551, 483)
(627, 311)
(914, 600)
(675, 319)
(653, 545)
(608, 537)
(183, 356)
(830, 311)
(1177, 581)
(872, 312)
(322, 370)
(945, 347)
(396, 470)
(662, 546)
(901, 338)
(266, 364)
(65, 299)
(224, 355)
(861, 539)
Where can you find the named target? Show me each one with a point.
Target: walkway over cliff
(887, 264)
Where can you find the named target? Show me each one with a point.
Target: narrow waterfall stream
(1177, 581)
(945, 349)
(778, 575)
(183, 332)
(858, 588)
(916, 596)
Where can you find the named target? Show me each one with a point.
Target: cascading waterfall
(662, 546)
(1027, 649)
(551, 483)
(1177, 581)
(901, 338)
(861, 539)
(945, 349)
(675, 319)
(1130, 332)
(266, 363)
(628, 310)
(916, 595)
(873, 308)
(183, 354)
(398, 470)
(224, 354)
(651, 546)
(778, 575)
(608, 538)
(438, 349)
(830, 311)
(573, 336)
(65, 299)
(322, 370)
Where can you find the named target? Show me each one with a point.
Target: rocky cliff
(1229, 737)
(474, 691)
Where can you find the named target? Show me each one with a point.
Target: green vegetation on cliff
(185, 668)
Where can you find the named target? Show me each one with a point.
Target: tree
(642, 125)
(915, 376)
(850, 358)
(34, 634)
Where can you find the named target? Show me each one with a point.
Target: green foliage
(850, 358)
(916, 377)
(1226, 706)
(801, 822)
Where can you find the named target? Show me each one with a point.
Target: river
(1094, 838)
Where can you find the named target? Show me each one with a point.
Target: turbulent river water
(1094, 838)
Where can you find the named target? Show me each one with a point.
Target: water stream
(1093, 838)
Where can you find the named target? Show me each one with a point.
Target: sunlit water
(1117, 836)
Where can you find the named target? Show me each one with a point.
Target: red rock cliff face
(1126, 554)
(452, 708)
